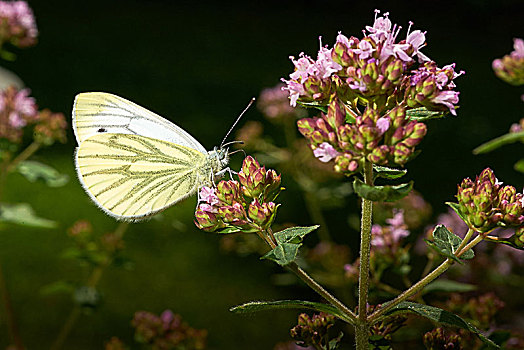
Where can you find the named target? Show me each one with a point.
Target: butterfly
(134, 163)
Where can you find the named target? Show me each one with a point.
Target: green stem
(361, 329)
(417, 287)
(26, 153)
(293, 267)
(92, 282)
(14, 333)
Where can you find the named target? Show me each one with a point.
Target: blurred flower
(167, 331)
(517, 127)
(453, 222)
(511, 67)
(313, 331)
(17, 24)
(388, 237)
(437, 339)
(416, 210)
(115, 344)
(480, 310)
(50, 128)
(17, 110)
(291, 345)
(386, 327)
(274, 104)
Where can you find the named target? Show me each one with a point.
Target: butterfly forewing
(100, 112)
(133, 176)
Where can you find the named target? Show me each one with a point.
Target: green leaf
(499, 141)
(335, 342)
(58, 287)
(33, 171)
(256, 306)
(288, 243)
(382, 193)
(442, 285)
(23, 214)
(439, 316)
(455, 207)
(388, 173)
(512, 241)
(321, 107)
(519, 166)
(446, 243)
(423, 114)
(499, 337)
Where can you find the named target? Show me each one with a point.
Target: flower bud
(206, 220)
(262, 214)
(228, 191)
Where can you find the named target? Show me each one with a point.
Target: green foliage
(388, 173)
(256, 306)
(423, 114)
(439, 316)
(446, 243)
(288, 243)
(499, 141)
(519, 166)
(382, 193)
(23, 214)
(33, 171)
(449, 286)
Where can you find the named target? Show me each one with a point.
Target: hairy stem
(293, 267)
(417, 287)
(361, 329)
(92, 282)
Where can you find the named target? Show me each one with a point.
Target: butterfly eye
(101, 130)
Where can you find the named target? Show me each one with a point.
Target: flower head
(17, 24)
(17, 110)
(510, 68)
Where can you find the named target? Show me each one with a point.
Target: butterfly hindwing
(134, 176)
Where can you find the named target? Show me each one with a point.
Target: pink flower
(16, 120)
(381, 27)
(449, 99)
(341, 38)
(365, 50)
(383, 124)
(304, 67)
(398, 226)
(325, 66)
(518, 46)
(208, 195)
(325, 152)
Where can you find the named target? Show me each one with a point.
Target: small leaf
(33, 171)
(499, 141)
(321, 107)
(335, 342)
(455, 207)
(23, 214)
(256, 306)
(519, 166)
(388, 173)
(446, 243)
(442, 285)
(382, 193)
(439, 316)
(288, 243)
(423, 114)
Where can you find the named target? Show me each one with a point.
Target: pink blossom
(341, 38)
(383, 124)
(518, 46)
(304, 66)
(325, 152)
(449, 99)
(208, 195)
(25, 104)
(381, 27)
(377, 237)
(325, 66)
(295, 90)
(16, 120)
(398, 226)
(365, 50)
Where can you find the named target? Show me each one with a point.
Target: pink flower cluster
(376, 65)
(389, 236)
(17, 110)
(17, 24)
(510, 68)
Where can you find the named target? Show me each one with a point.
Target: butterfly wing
(100, 112)
(131, 177)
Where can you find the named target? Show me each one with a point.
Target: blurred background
(198, 64)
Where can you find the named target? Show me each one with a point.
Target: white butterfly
(134, 163)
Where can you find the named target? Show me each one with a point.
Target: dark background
(198, 64)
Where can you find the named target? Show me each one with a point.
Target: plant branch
(365, 250)
(428, 279)
(14, 333)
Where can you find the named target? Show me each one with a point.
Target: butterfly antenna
(239, 150)
(236, 121)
